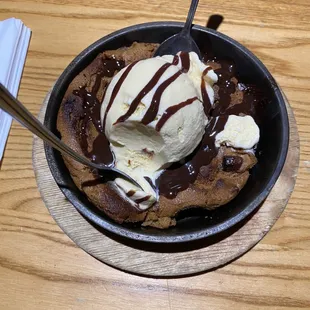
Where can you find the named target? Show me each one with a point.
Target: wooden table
(41, 268)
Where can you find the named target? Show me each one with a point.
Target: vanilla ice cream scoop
(153, 114)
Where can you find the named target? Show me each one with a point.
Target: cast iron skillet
(194, 224)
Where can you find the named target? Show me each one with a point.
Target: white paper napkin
(14, 42)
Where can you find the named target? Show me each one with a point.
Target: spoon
(181, 41)
(13, 107)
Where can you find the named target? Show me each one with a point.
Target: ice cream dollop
(154, 114)
(240, 132)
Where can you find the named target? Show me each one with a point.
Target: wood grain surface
(166, 260)
(41, 268)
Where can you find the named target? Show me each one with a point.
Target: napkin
(14, 42)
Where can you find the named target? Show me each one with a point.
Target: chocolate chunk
(220, 183)
(205, 171)
(208, 172)
(235, 190)
(232, 163)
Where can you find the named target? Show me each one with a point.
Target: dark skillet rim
(117, 229)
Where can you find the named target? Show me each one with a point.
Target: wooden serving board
(167, 261)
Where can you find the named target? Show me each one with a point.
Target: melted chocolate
(178, 177)
(175, 60)
(100, 152)
(185, 61)
(252, 98)
(131, 193)
(232, 163)
(91, 108)
(109, 67)
(142, 199)
(172, 110)
(205, 97)
(226, 87)
(116, 90)
(145, 198)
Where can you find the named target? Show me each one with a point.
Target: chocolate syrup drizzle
(152, 111)
(131, 193)
(100, 152)
(149, 86)
(172, 110)
(205, 97)
(116, 90)
(145, 198)
(178, 176)
(184, 56)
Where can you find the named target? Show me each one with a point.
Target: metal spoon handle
(190, 17)
(13, 107)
